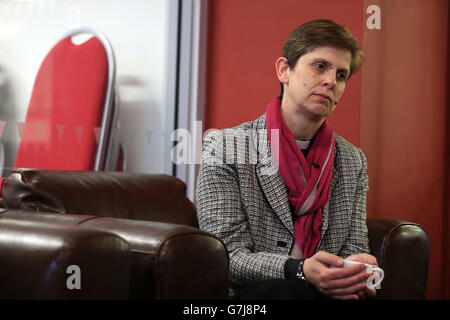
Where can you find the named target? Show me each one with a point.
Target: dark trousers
(280, 289)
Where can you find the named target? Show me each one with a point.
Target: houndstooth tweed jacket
(242, 199)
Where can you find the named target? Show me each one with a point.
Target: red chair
(70, 122)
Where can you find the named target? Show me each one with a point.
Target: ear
(283, 70)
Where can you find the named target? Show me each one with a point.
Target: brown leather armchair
(170, 257)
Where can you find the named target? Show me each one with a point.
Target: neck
(302, 127)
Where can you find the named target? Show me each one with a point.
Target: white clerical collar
(302, 144)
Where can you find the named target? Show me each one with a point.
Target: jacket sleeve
(220, 212)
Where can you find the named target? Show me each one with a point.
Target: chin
(321, 111)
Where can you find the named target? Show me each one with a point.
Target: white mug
(375, 278)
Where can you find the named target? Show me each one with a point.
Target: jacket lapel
(334, 180)
(270, 180)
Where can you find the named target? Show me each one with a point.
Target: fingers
(347, 278)
(346, 286)
(370, 292)
(363, 257)
(329, 259)
(373, 293)
(363, 294)
(340, 273)
(339, 283)
(346, 290)
(366, 293)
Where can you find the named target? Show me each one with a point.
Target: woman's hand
(369, 259)
(338, 283)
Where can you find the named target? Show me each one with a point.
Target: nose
(330, 79)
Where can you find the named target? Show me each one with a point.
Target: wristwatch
(300, 273)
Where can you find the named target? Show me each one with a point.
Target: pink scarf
(308, 180)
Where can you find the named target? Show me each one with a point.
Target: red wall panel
(403, 108)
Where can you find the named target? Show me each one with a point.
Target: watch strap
(300, 272)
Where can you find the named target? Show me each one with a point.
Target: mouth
(323, 96)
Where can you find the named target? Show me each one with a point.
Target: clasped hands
(340, 283)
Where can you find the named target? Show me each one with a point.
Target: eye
(319, 66)
(342, 76)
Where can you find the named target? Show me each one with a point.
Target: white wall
(143, 34)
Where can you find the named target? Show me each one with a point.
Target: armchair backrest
(152, 197)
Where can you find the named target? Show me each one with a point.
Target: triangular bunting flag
(40, 128)
(97, 131)
(79, 132)
(20, 128)
(60, 130)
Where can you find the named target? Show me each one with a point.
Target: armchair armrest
(36, 262)
(175, 261)
(402, 250)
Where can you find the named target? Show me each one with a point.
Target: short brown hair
(321, 32)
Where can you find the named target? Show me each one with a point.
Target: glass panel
(143, 37)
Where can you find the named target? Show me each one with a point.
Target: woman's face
(316, 83)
